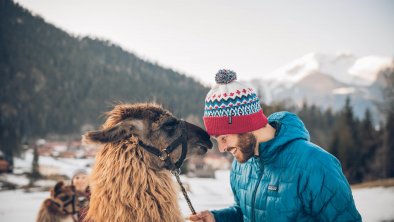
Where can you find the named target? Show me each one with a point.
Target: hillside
(52, 82)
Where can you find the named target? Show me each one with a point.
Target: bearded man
(277, 173)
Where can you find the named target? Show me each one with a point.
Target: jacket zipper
(255, 191)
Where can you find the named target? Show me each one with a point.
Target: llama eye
(170, 125)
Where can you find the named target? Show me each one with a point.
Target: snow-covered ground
(62, 166)
(374, 204)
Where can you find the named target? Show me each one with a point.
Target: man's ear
(116, 133)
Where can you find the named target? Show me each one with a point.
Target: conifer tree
(369, 143)
(346, 137)
(389, 127)
(383, 164)
(35, 173)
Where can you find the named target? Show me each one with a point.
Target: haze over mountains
(326, 80)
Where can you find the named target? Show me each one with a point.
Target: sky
(251, 37)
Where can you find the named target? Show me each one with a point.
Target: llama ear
(57, 189)
(116, 133)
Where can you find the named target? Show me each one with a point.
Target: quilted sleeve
(325, 192)
(232, 213)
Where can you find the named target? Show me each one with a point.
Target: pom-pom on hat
(232, 107)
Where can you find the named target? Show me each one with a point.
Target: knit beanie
(79, 172)
(232, 107)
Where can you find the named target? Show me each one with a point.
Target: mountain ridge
(326, 80)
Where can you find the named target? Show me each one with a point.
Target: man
(277, 174)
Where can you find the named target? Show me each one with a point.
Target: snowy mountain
(326, 80)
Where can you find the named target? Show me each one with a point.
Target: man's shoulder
(308, 154)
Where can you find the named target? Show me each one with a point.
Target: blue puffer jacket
(291, 180)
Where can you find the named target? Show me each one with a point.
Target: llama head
(152, 126)
(63, 200)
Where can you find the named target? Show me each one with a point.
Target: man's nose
(222, 147)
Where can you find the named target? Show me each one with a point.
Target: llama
(128, 182)
(60, 206)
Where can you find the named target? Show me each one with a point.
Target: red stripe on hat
(219, 125)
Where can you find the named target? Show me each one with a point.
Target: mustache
(231, 149)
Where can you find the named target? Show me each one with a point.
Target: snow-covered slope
(326, 80)
(343, 67)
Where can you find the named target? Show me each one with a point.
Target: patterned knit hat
(232, 107)
(79, 172)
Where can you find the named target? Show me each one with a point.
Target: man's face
(80, 182)
(241, 146)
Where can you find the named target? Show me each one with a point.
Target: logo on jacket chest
(272, 188)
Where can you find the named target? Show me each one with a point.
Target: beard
(246, 145)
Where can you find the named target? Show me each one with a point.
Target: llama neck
(45, 215)
(126, 189)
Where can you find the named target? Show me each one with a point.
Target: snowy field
(374, 204)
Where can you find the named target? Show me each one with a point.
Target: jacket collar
(288, 128)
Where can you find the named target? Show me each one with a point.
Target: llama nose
(207, 138)
(205, 135)
(210, 144)
(202, 134)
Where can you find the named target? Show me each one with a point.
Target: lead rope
(176, 173)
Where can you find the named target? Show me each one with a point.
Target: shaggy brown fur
(53, 209)
(128, 183)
